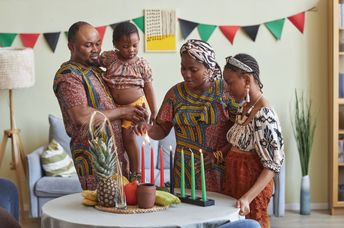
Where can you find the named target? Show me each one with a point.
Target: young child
(129, 78)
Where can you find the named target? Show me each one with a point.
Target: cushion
(56, 162)
(57, 186)
(58, 132)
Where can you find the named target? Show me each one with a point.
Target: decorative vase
(146, 195)
(305, 196)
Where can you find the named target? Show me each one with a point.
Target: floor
(317, 219)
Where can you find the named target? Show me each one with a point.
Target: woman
(257, 152)
(197, 110)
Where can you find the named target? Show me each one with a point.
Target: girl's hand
(244, 206)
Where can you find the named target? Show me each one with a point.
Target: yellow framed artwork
(160, 30)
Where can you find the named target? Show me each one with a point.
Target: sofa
(45, 188)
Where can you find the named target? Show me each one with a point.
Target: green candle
(192, 176)
(182, 175)
(204, 190)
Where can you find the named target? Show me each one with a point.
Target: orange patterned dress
(261, 146)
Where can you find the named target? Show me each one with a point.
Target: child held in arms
(129, 78)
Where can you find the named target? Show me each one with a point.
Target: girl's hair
(74, 28)
(249, 61)
(123, 29)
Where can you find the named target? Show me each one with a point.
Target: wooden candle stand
(197, 201)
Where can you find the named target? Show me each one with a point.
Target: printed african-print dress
(77, 85)
(200, 122)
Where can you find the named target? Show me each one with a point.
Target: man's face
(86, 46)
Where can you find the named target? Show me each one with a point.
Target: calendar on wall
(160, 30)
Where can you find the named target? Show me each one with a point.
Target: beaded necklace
(241, 117)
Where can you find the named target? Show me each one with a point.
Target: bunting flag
(6, 39)
(251, 31)
(29, 39)
(52, 38)
(101, 31)
(276, 27)
(186, 27)
(298, 20)
(229, 32)
(140, 22)
(205, 31)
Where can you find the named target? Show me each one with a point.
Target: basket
(131, 209)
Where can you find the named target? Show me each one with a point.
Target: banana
(90, 195)
(163, 198)
(88, 202)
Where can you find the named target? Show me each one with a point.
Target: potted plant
(303, 127)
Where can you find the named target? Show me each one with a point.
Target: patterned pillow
(56, 162)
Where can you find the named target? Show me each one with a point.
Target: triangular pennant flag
(113, 26)
(186, 27)
(52, 38)
(101, 31)
(6, 39)
(29, 39)
(140, 22)
(66, 33)
(298, 20)
(205, 31)
(251, 31)
(276, 27)
(229, 32)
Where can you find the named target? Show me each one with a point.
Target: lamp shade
(16, 68)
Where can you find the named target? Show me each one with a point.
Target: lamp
(16, 71)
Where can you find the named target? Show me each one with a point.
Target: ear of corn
(163, 198)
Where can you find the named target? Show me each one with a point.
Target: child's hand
(141, 128)
(151, 119)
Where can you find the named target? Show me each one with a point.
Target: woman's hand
(244, 206)
(141, 128)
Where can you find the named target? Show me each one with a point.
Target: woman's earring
(247, 94)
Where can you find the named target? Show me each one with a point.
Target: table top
(68, 211)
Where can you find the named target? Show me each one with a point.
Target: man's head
(84, 43)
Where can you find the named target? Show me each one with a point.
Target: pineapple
(106, 164)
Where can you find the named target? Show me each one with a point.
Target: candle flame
(170, 147)
(143, 142)
(191, 150)
(147, 138)
(200, 150)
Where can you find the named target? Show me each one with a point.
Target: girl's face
(194, 73)
(128, 46)
(236, 84)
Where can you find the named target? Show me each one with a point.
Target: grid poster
(160, 30)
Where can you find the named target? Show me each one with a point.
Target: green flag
(6, 39)
(205, 31)
(276, 27)
(140, 22)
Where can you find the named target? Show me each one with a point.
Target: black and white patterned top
(262, 135)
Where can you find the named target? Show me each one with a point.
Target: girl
(129, 78)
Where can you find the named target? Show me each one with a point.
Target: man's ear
(70, 46)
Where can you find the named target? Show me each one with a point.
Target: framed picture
(160, 30)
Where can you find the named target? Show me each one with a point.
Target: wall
(296, 61)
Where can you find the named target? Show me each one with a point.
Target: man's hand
(136, 114)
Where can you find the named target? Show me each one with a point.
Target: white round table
(68, 212)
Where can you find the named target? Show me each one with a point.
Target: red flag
(229, 32)
(298, 20)
(29, 39)
(101, 31)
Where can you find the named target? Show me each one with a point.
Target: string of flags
(205, 31)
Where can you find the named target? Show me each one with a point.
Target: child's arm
(150, 97)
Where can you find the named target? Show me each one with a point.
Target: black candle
(171, 171)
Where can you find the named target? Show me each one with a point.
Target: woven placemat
(131, 209)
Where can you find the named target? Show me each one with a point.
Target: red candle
(152, 166)
(143, 179)
(162, 177)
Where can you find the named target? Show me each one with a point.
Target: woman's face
(236, 84)
(194, 73)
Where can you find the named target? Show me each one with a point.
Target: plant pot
(146, 195)
(305, 196)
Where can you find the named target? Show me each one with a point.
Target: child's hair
(123, 29)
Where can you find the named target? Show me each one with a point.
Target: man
(80, 90)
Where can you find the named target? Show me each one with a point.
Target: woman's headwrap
(202, 52)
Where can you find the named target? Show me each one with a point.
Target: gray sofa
(43, 188)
